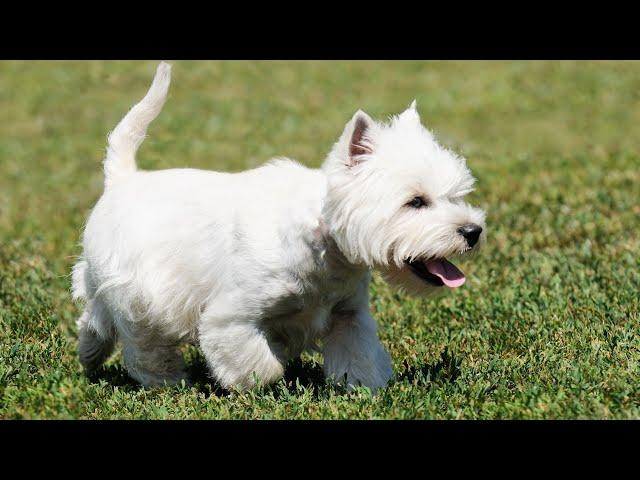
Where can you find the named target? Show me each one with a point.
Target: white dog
(257, 266)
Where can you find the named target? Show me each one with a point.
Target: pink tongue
(450, 275)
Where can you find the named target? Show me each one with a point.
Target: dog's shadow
(298, 374)
(445, 370)
(116, 376)
(305, 374)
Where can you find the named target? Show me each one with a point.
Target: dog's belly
(292, 334)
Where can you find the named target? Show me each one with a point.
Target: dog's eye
(417, 202)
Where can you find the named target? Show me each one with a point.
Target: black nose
(471, 232)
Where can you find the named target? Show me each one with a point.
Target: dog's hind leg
(150, 358)
(96, 336)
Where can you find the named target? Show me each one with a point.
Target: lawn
(547, 325)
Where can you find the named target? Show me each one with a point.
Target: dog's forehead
(415, 155)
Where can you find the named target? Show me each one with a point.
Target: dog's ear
(410, 114)
(358, 132)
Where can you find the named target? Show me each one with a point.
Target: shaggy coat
(257, 266)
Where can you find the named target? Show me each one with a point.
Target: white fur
(257, 266)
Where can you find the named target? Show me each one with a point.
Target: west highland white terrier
(258, 266)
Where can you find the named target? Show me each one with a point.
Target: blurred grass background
(546, 327)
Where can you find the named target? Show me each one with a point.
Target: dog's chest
(314, 284)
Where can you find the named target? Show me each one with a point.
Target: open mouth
(437, 272)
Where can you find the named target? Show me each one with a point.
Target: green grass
(546, 327)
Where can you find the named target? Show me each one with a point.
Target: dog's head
(396, 202)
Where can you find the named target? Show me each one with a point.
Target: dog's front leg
(352, 350)
(236, 348)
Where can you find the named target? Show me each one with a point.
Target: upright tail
(124, 140)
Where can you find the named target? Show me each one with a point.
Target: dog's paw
(371, 369)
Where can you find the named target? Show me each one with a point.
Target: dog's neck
(333, 255)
